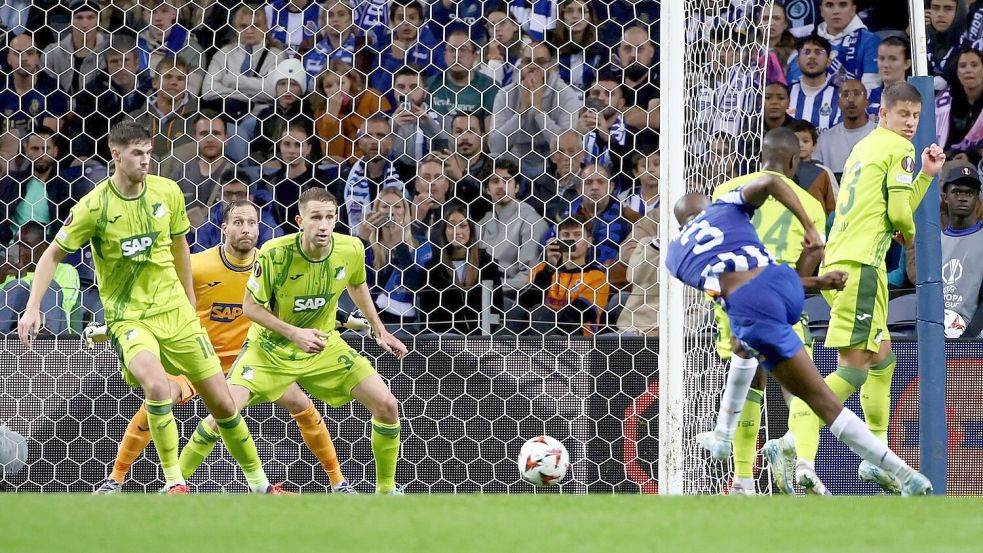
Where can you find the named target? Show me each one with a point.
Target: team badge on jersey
(339, 273)
(159, 210)
(908, 164)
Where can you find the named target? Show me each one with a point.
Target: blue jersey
(719, 240)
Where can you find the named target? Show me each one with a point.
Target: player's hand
(812, 239)
(390, 343)
(310, 340)
(94, 333)
(933, 158)
(28, 326)
(833, 280)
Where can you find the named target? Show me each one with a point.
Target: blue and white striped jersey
(719, 240)
(821, 109)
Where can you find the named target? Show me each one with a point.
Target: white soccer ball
(954, 324)
(543, 461)
(13, 452)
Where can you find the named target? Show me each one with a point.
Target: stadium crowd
(498, 159)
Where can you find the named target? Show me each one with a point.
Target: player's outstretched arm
(310, 340)
(30, 322)
(760, 189)
(363, 299)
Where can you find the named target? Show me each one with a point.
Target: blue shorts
(763, 311)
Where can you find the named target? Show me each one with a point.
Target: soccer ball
(543, 461)
(13, 452)
(954, 324)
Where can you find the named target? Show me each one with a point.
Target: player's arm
(363, 299)
(182, 264)
(756, 192)
(933, 158)
(833, 280)
(30, 322)
(310, 340)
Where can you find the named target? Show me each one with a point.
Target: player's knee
(157, 389)
(387, 409)
(223, 408)
(294, 401)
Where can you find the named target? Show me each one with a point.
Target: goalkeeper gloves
(94, 333)
(353, 321)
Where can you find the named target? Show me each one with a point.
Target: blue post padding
(933, 432)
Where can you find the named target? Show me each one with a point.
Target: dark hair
(561, 37)
(299, 125)
(642, 153)
(801, 125)
(406, 5)
(817, 40)
(506, 165)
(42, 130)
(316, 194)
(410, 69)
(901, 92)
(898, 41)
(209, 115)
(32, 226)
(570, 222)
(781, 84)
(472, 250)
(238, 203)
(469, 114)
(235, 175)
(125, 133)
(378, 117)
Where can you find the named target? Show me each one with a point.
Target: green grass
(466, 523)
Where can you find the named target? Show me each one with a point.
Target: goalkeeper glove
(94, 333)
(353, 321)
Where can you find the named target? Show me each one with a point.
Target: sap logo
(138, 244)
(225, 312)
(310, 303)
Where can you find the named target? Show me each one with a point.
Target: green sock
(875, 396)
(385, 449)
(746, 436)
(804, 424)
(198, 448)
(239, 442)
(163, 431)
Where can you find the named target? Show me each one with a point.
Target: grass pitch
(464, 523)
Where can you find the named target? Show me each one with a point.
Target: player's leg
(374, 394)
(315, 434)
(149, 372)
(746, 435)
(206, 435)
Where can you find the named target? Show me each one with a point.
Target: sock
(875, 396)
(746, 437)
(198, 448)
(163, 429)
(318, 440)
(135, 440)
(804, 425)
(849, 429)
(731, 403)
(385, 449)
(239, 442)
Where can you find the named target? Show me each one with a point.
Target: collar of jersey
(112, 187)
(232, 266)
(949, 231)
(304, 255)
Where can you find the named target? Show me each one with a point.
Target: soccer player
(878, 194)
(291, 299)
(219, 275)
(720, 253)
(739, 419)
(137, 224)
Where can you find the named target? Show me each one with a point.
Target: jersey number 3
(706, 236)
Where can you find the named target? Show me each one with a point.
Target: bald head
(780, 151)
(690, 206)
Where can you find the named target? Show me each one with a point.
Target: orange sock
(134, 442)
(318, 440)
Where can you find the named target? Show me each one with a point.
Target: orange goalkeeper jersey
(220, 285)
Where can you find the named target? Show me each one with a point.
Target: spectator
(576, 37)
(119, 88)
(447, 15)
(198, 166)
(640, 314)
(287, 84)
(814, 177)
(502, 52)
(415, 124)
(60, 303)
(394, 257)
(835, 144)
(234, 82)
(893, 65)
(570, 287)
(553, 193)
(457, 276)
(604, 126)
(170, 111)
(776, 106)
(234, 186)
(10, 158)
(962, 242)
(340, 109)
(815, 98)
(726, 97)
(30, 96)
(855, 47)
(530, 113)
(639, 78)
(402, 46)
(339, 42)
(430, 194)
(293, 175)
(944, 33)
(643, 197)
(462, 89)
(163, 36)
(724, 158)
(372, 172)
(781, 42)
(38, 193)
(73, 60)
(468, 166)
(511, 230)
(958, 121)
(294, 23)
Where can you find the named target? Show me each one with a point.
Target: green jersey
(300, 291)
(131, 246)
(778, 228)
(878, 192)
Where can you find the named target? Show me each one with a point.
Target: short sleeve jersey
(131, 246)
(780, 231)
(220, 285)
(301, 291)
(881, 162)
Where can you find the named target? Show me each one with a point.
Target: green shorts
(176, 337)
(858, 313)
(329, 376)
(725, 347)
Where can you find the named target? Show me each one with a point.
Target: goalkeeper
(291, 299)
(219, 275)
